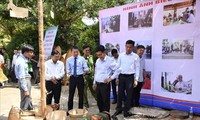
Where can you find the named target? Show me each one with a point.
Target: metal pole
(41, 52)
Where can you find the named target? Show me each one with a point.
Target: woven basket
(14, 114)
(38, 111)
(78, 113)
(56, 115)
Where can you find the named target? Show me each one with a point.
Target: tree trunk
(41, 52)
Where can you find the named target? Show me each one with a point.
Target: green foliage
(89, 37)
(27, 35)
(67, 15)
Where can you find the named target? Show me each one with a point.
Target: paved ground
(9, 96)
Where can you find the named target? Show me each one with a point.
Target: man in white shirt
(128, 78)
(1, 59)
(115, 55)
(104, 68)
(54, 72)
(14, 58)
(142, 74)
(76, 67)
(13, 65)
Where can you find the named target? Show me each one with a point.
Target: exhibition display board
(170, 32)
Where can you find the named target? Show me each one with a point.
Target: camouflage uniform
(89, 77)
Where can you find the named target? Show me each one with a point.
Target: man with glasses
(54, 72)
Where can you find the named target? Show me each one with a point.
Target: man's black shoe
(67, 113)
(117, 113)
(114, 101)
(114, 117)
(137, 105)
(127, 114)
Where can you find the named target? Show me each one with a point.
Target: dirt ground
(9, 96)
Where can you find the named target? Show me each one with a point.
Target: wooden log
(41, 52)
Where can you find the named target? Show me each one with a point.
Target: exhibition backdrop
(170, 31)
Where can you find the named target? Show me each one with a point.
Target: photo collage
(180, 13)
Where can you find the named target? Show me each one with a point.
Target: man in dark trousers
(76, 67)
(104, 68)
(36, 72)
(89, 77)
(128, 78)
(115, 55)
(137, 89)
(54, 72)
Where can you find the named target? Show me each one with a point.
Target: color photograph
(177, 49)
(110, 24)
(148, 48)
(176, 83)
(147, 81)
(179, 13)
(140, 19)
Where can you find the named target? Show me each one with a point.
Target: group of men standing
(126, 70)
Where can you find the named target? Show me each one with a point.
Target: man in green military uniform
(89, 77)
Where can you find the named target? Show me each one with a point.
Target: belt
(127, 74)
(100, 83)
(77, 75)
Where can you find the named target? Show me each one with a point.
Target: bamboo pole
(41, 52)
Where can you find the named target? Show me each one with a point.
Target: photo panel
(110, 24)
(147, 81)
(140, 19)
(176, 83)
(110, 46)
(179, 13)
(177, 49)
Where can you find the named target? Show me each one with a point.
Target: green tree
(67, 15)
(89, 37)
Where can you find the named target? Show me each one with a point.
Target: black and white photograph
(110, 46)
(110, 24)
(140, 19)
(179, 13)
(177, 49)
(176, 83)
